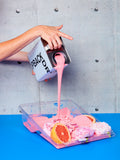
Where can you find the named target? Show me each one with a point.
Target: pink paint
(60, 60)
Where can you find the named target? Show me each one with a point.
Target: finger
(50, 45)
(61, 34)
(59, 27)
(55, 44)
(59, 42)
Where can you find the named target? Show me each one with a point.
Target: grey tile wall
(92, 79)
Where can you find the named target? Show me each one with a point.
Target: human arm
(20, 56)
(50, 34)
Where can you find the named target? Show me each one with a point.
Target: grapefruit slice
(91, 118)
(82, 121)
(60, 134)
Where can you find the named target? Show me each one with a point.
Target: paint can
(42, 60)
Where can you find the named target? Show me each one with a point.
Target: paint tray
(36, 116)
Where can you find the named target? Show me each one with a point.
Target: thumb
(59, 27)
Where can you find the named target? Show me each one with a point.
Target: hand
(52, 35)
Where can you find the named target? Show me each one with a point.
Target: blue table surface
(16, 142)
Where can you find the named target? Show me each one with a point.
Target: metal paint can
(42, 60)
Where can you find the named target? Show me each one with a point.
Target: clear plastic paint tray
(80, 127)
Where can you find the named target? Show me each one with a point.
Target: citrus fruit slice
(82, 121)
(60, 134)
(91, 118)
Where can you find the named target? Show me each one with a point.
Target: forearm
(13, 46)
(20, 56)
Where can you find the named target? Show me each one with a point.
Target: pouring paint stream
(60, 60)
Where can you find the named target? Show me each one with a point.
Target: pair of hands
(52, 34)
